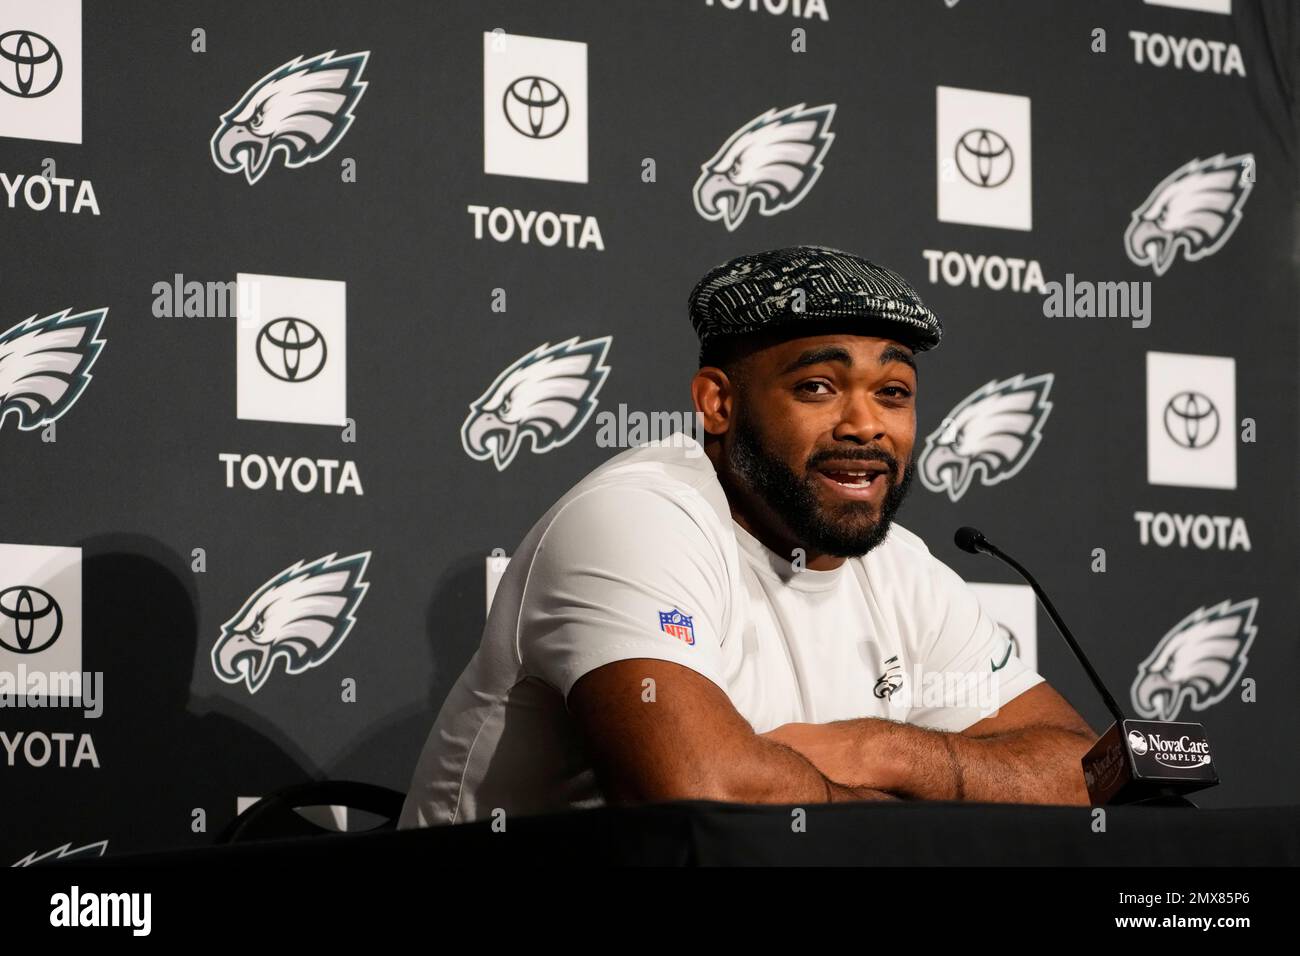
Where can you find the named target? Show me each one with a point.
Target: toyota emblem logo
(31, 66)
(535, 107)
(984, 158)
(291, 349)
(1191, 420)
(27, 607)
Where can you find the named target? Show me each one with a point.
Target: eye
(255, 124)
(256, 629)
(734, 170)
(812, 387)
(900, 392)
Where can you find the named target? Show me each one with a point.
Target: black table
(870, 834)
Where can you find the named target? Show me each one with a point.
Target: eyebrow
(836, 353)
(892, 353)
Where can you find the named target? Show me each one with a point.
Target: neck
(754, 515)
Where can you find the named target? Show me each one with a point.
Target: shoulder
(903, 552)
(625, 542)
(645, 501)
(903, 544)
(905, 560)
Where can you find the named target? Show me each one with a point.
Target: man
(747, 624)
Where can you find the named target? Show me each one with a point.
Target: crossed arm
(657, 730)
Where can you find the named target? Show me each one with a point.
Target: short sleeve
(970, 669)
(622, 572)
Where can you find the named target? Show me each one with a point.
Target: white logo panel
(1191, 420)
(40, 70)
(983, 158)
(291, 349)
(40, 610)
(534, 107)
(1205, 6)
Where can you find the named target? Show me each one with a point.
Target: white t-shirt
(642, 559)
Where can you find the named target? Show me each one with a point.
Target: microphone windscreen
(968, 539)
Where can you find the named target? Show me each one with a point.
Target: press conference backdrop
(311, 307)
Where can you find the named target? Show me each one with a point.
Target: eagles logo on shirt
(677, 624)
(891, 680)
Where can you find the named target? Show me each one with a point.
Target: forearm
(687, 742)
(757, 770)
(839, 793)
(783, 775)
(1036, 764)
(1031, 765)
(766, 771)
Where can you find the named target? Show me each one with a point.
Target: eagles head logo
(992, 433)
(301, 615)
(1195, 209)
(888, 683)
(45, 365)
(299, 110)
(546, 397)
(772, 161)
(1199, 662)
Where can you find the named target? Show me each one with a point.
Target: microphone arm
(972, 541)
(1135, 761)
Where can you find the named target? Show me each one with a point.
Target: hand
(831, 748)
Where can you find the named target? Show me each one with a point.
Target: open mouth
(854, 479)
(858, 479)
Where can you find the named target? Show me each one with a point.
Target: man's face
(822, 434)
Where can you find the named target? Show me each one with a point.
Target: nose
(861, 421)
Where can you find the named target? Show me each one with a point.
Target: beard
(848, 530)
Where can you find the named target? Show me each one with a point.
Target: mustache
(855, 453)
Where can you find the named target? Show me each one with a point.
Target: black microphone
(1135, 761)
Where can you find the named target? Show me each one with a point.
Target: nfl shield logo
(677, 624)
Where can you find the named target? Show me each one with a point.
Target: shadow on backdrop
(158, 762)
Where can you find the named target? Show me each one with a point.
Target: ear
(714, 395)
